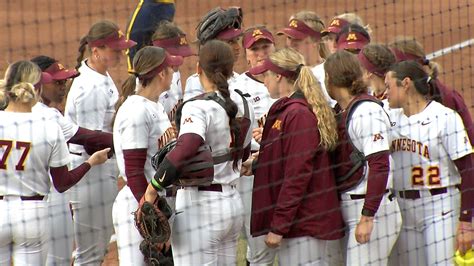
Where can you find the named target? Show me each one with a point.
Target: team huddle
(332, 150)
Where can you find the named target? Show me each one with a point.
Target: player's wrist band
(156, 185)
(367, 212)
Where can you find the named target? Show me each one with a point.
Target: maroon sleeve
(376, 182)
(135, 171)
(64, 179)
(92, 140)
(300, 142)
(463, 111)
(465, 167)
(246, 154)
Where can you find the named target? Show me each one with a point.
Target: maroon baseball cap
(352, 40)
(269, 65)
(298, 30)
(170, 61)
(365, 62)
(59, 72)
(116, 41)
(45, 79)
(229, 34)
(252, 37)
(177, 46)
(335, 26)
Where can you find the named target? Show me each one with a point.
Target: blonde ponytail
(22, 92)
(3, 95)
(291, 60)
(313, 93)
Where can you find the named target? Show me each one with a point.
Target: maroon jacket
(452, 99)
(294, 191)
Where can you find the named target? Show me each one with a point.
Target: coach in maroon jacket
(294, 198)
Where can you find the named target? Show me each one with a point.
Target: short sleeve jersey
(29, 145)
(369, 130)
(140, 124)
(194, 88)
(91, 102)
(424, 147)
(320, 75)
(68, 128)
(209, 120)
(171, 98)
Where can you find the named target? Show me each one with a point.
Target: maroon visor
(269, 65)
(59, 72)
(177, 46)
(335, 26)
(116, 41)
(251, 37)
(352, 41)
(170, 61)
(298, 30)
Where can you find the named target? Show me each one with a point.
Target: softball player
(375, 60)
(407, 48)
(258, 43)
(171, 38)
(432, 158)
(370, 211)
(329, 34)
(145, 18)
(352, 38)
(303, 34)
(208, 218)
(91, 104)
(231, 36)
(141, 127)
(294, 200)
(31, 147)
(61, 227)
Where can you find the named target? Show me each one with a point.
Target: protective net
(418, 217)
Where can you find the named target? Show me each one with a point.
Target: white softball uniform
(424, 147)
(60, 219)
(257, 250)
(91, 104)
(29, 145)
(369, 130)
(320, 75)
(208, 223)
(194, 87)
(139, 124)
(171, 98)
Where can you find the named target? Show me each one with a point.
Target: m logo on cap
(257, 32)
(120, 34)
(335, 23)
(351, 37)
(293, 24)
(182, 41)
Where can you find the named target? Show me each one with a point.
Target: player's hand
(257, 134)
(273, 240)
(246, 168)
(364, 229)
(99, 157)
(464, 237)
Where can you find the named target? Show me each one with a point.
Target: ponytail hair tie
(426, 61)
(298, 68)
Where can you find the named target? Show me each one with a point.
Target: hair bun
(23, 92)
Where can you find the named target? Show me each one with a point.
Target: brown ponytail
(97, 31)
(146, 59)
(217, 60)
(344, 71)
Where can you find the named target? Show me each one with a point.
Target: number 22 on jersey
(7, 146)
(432, 176)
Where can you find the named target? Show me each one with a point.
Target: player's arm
(63, 179)
(92, 140)
(299, 145)
(465, 167)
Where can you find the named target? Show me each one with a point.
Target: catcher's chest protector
(348, 161)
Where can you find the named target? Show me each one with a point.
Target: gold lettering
(351, 37)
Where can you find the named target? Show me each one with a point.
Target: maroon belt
(212, 187)
(415, 194)
(36, 197)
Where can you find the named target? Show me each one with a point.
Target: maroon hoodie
(294, 191)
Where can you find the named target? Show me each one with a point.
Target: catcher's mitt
(151, 221)
(216, 21)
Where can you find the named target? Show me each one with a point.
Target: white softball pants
(429, 229)
(207, 226)
(387, 225)
(23, 231)
(91, 201)
(61, 232)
